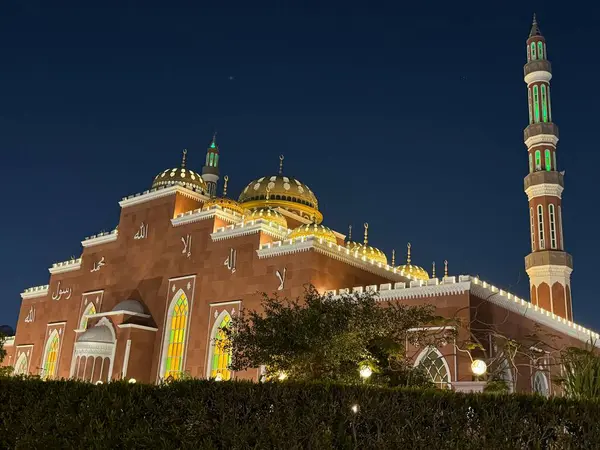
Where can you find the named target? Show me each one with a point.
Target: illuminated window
(176, 333)
(21, 365)
(552, 226)
(532, 229)
(221, 355)
(216, 159)
(432, 361)
(212, 159)
(538, 160)
(548, 160)
(541, 227)
(207, 158)
(540, 50)
(529, 105)
(528, 54)
(51, 357)
(544, 105)
(554, 159)
(549, 105)
(533, 57)
(536, 104)
(89, 310)
(530, 163)
(540, 384)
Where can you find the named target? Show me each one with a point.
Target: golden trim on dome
(313, 229)
(364, 249)
(414, 271)
(224, 202)
(268, 214)
(180, 176)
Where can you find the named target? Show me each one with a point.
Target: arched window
(432, 361)
(528, 54)
(541, 227)
(545, 51)
(216, 159)
(560, 228)
(552, 226)
(89, 310)
(533, 57)
(51, 356)
(554, 159)
(540, 50)
(548, 160)
(530, 106)
(175, 337)
(530, 163)
(212, 159)
(540, 384)
(544, 104)
(536, 105)
(220, 358)
(538, 160)
(549, 104)
(21, 365)
(532, 229)
(207, 158)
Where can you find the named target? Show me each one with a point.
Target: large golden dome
(365, 249)
(224, 202)
(283, 192)
(180, 176)
(414, 271)
(268, 214)
(313, 229)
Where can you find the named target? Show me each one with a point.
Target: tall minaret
(549, 267)
(210, 171)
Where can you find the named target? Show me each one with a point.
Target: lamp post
(478, 367)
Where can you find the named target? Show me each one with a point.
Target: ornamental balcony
(544, 177)
(548, 257)
(535, 66)
(540, 128)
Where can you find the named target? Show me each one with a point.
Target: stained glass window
(176, 338)
(540, 50)
(221, 357)
(433, 364)
(544, 104)
(21, 366)
(536, 104)
(89, 310)
(50, 361)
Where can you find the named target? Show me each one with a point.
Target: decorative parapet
(214, 211)
(9, 341)
(36, 291)
(254, 226)
(481, 289)
(336, 251)
(65, 266)
(152, 194)
(100, 238)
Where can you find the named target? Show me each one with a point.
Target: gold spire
(280, 164)
(225, 179)
(349, 233)
(408, 255)
(183, 158)
(445, 268)
(433, 270)
(366, 233)
(393, 257)
(268, 192)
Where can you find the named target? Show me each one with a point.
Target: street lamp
(365, 372)
(478, 367)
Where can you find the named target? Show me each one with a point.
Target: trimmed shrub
(201, 414)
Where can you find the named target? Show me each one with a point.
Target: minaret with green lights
(548, 265)
(210, 171)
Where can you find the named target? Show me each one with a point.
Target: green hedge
(240, 415)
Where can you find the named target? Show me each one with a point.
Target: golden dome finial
(408, 254)
(445, 268)
(349, 233)
(225, 179)
(268, 193)
(393, 257)
(183, 158)
(280, 164)
(366, 233)
(433, 269)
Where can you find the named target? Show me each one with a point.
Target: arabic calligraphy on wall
(142, 233)
(57, 295)
(187, 245)
(231, 260)
(281, 276)
(98, 265)
(31, 315)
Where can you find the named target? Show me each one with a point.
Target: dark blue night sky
(408, 115)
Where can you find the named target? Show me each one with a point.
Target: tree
(581, 374)
(4, 371)
(320, 337)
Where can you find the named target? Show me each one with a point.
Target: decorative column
(549, 267)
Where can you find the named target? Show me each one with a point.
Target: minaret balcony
(544, 177)
(537, 66)
(540, 128)
(548, 258)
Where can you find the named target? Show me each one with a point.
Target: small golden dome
(313, 229)
(365, 249)
(414, 271)
(284, 192)
(180, 176)
(224, 202)
(268, 214)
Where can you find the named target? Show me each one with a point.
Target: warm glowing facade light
(354, 408)
(365, 372)
(218, 377)
(282, 376)
(132, 381)
(478, 367)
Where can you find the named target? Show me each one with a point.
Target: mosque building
(148, 300)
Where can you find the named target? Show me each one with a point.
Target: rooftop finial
(213, 143)
(535, 29)
(225, 179)
(183, 158)
(408, 254)
(366, 233)
(433, 269)
(280, 164)
(268, 192)
(445, 268)
(349, 233)
(534, 19)
(393, 258)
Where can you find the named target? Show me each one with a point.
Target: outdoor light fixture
(282, 376)
(365, 372)
(218, 377)
(478, 367)
(354, 408)
(98, 382)
(132, 381)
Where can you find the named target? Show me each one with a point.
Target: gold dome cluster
(313, 229)
(414, 271)
(365, 249)
(180, 176)
(268, 214)
(225, 202)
